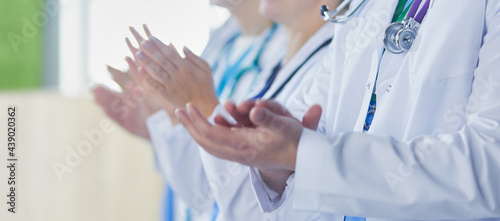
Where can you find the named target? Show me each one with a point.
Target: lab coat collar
(369, 26)
(219, 37)
(324, 33)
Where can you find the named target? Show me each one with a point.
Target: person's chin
(269, 10)
(231, 5)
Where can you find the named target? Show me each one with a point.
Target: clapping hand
(179, 80)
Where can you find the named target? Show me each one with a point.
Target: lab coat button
(389, 87)
(368, 86)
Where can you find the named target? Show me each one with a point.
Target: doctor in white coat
(229, 73)
(307, 37)
(307, 40)
(432, 151)
(245, 32)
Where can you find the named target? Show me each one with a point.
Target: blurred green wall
(22, 23)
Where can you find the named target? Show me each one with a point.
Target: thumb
(312, 117)
(103, 96)
(118, 76)
(265, 118)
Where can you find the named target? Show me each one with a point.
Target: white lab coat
(168, 157)
(433, 148)
(177, 153)
(240, 185)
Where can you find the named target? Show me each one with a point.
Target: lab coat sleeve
(434, 177)
(178, 160)
(280, 205)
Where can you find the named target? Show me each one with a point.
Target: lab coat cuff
(159, 127)
(268, 199)
(158, 121)
(311, 149)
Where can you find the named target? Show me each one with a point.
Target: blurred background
(52, 53)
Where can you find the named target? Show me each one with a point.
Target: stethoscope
(399, 36)
(331, 16)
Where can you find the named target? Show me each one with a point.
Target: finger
(214, 132)
(131, 47)
(153, 69)
(168, 50)
(133, 72)
(217, 140)
(199, 62)
(151, 84)
(201, 122)
(185, 120)
(244, 109)
(106, 98)
(148, 32)
(119, 77)
(136, 35)
(241, 116)
(263, 117)
(231, 108)
(220, 120)
(101, 94)
(274, 107)
(195, 133)
(157, 56)
(246, 106)
(312, 117)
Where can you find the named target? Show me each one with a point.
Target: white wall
(113, 179)
(92, 34)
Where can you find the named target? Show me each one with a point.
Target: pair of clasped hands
(264, 136)
(158, 78)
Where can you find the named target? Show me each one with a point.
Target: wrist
(207, 107)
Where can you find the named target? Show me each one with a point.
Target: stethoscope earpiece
(332, 16)
(325, 12)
